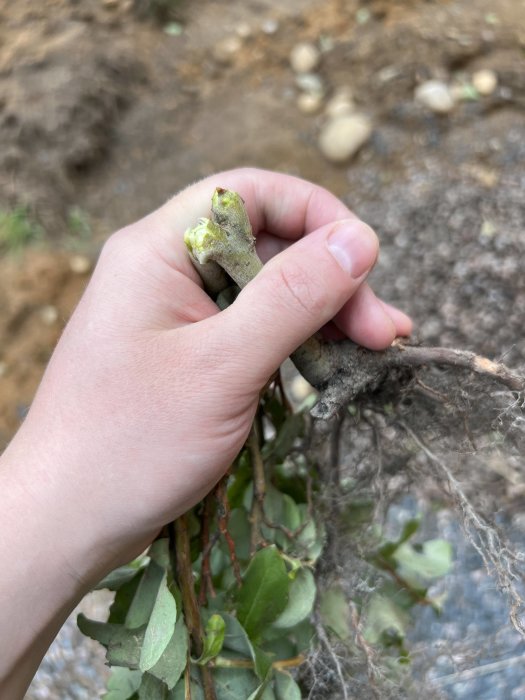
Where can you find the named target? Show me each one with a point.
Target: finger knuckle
(299, 291)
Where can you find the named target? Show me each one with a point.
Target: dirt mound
(60, 101)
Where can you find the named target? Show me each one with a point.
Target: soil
(105, 113)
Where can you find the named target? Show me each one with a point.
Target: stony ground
(103, 115)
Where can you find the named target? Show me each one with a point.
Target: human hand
(151, 392)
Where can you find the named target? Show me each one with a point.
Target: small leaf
(117, 578)
(234, 683)
(214, 639)
(263, 692)
(335, 612)
(102, 632)
(123, 598)
(152, 689)
(144, 600)
(264, 592)
(434, 560)
(384, 616)
(124, 648)
(159, 552)
(285, 687)
(301, 600)
(122, 684)
(172, 663)
(160, 628)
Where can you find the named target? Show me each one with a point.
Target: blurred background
(411, 111)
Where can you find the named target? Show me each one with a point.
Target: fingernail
(354, 246)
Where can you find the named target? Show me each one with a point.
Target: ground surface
(103, 116)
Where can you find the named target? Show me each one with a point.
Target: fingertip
(365, 321)
(402, 322)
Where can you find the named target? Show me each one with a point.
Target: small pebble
(485, 81)
(300, 389)
(243, 30)
(310, 82)
(436, 96)
(309, 103)
(270, 26)
(80, 264)
(48, 315)
(342, 137)
(225, 50)
(340, 104)
(304, 58)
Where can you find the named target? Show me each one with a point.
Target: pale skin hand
(151, 392)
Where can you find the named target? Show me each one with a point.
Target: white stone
(79, 264)
(310, 82)
(342, 137)
(48, 315)
(436, 96)
(485, 81)
(340, 104)
(226, 49)
(304, 58)
(309, 103)
(243, 30)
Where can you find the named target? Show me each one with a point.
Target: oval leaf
(264, 592)
(160, 627)
(300, 600)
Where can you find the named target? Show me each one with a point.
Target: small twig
(469, 673)
(323, 638)
(259, 488)
(189, 599)
(223, 516)
(206, 580)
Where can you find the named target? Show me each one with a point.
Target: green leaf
(235, 637)
(291, 429)
(234, 683)
(285, 687)
(335, 612)
(144, 600)
(301, 600)
(102, 632)
(214, 639)
(384, 616)
(160, 628)
(170, 667)
(123, 597)
(264, 592)
(124, 648)
(433, 560)
(263, 692)
(152, 689)
(179, 692)
(122, 684)
(310, 540)
(159, 552)
(263, 664)
(119, 577)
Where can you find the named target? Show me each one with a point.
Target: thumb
(295, 294)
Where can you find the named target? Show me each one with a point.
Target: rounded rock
(436, 96)
(342, 137)
(309, 103)
(311, 83)
(49, 315)
(79, 264)
(304, 58)
(485, 81)
(225, 50)
(340, 104)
